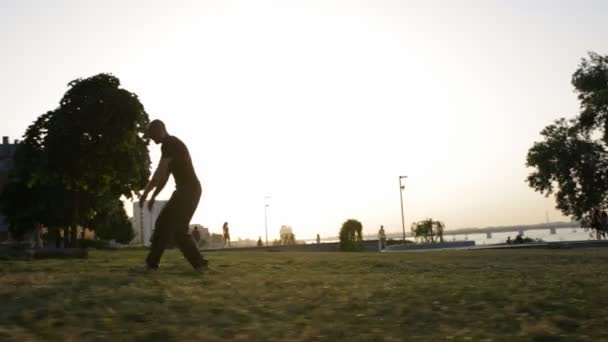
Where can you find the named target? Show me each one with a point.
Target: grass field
(263, 296)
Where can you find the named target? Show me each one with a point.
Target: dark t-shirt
(181, 165)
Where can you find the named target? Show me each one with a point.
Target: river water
(561, 234)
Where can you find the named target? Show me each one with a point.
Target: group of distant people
(196, 235)
(518, 239)
(599, 222)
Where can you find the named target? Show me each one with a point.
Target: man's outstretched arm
(157, 182)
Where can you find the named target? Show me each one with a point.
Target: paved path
(551, 245)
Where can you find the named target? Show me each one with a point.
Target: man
(174, 218)
(226, 234)
(382, 238)
(196, 236)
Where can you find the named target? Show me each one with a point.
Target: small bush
(350, 236)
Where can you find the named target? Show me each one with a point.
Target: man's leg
(161, 234)
(188, 248)
(188, 204)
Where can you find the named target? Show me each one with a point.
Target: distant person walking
(382, 238)
(174, 218)
(196, 236)
(260, 243)
(318, 239)
(226, 234)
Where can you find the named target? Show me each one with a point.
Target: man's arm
(157, 182)
(161, 176)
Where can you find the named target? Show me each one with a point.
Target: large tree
(112, 223)
(572, 160)
(569, 163)
(86, 151)
(26, 201)
(590, 81)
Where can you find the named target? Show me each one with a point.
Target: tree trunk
(57, 237)
(82, 237)
(75, 219)
(74, 236)
(66, 237)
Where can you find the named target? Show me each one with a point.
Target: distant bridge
(551, 226)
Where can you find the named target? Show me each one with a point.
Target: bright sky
(323, 104)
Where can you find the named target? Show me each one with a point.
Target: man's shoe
(203, 268)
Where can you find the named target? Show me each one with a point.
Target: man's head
(156, 131)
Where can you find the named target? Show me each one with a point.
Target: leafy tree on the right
(428, 230)
(572, 159)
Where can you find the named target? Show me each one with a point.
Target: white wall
(144, 220)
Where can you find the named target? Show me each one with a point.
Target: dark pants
(173, 223)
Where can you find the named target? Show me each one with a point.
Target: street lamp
(266, 205)
(401, 187)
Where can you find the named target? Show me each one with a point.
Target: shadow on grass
(95, 306)
(523, 295)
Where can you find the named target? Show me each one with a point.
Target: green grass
(460, 295)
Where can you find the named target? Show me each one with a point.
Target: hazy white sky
(323, 104)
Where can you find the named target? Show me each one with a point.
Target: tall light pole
(401, 187)
(266, 205)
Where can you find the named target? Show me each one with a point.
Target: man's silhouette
(196, 236)
(382, 237)
(174, 218)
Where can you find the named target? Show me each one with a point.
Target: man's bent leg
(162, 234)
(188, 248)
(188, 204)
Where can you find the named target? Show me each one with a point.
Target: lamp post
(401, 187)
(266, 205)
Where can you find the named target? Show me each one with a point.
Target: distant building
(143, 221)
(7, 151)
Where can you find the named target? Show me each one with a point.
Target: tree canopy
(75, 158)
(571, 160)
